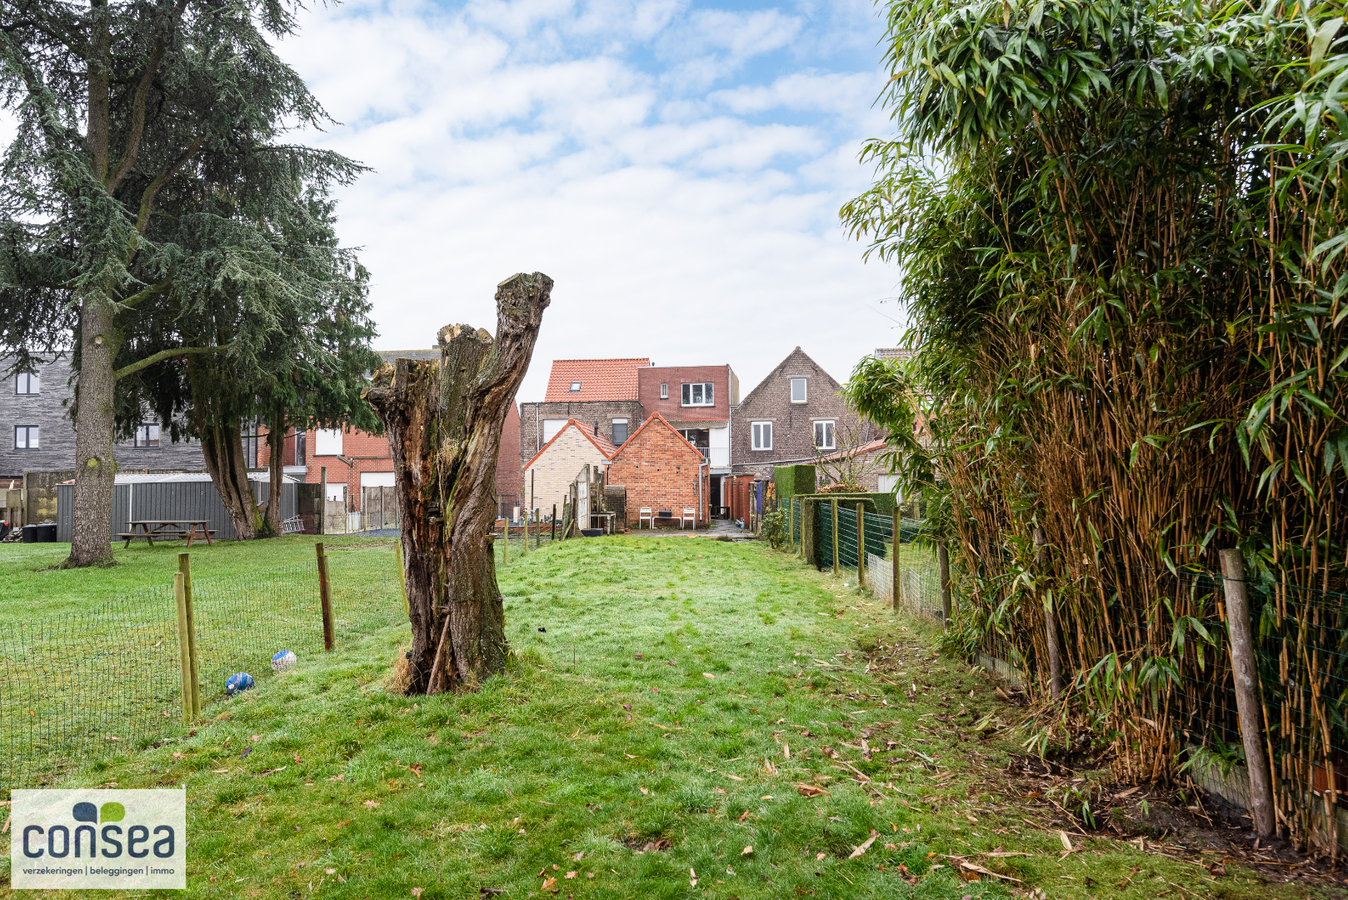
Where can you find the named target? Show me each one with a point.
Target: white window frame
(27, 384)
(554, 426)
(708, 391)
(613, 425)
(757, 430)
(804, 390)
(830, 432)
(664, 391)
(575, 387)
(145, 434)
(32, 437)
(324, 439)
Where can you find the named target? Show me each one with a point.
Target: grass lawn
(681, 718)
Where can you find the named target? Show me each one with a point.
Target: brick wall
(660, 470)
(586, 412)
(509, 466)
(725, 392)
(552, 473)
(792, 423)
(48, 410)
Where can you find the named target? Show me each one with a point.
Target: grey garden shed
(168, 497)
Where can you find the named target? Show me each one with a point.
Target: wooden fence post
(185, 568)
(554, 523)
(526, 531)
(324, 596)
(834, 504)
(790, 524)
(402, 571)
(184, 646)
(861, 545)
(323, 500)
(943, 558)
(897, 584)
(1050, 619)
(1245, 675)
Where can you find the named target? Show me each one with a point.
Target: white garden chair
(689, 515)
(646, 516)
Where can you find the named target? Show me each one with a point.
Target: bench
(153, 530)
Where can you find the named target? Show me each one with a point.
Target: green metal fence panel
(826, 536)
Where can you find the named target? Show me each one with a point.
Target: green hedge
(792, 481)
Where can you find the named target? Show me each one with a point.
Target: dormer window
(797, 390)
(575, 387)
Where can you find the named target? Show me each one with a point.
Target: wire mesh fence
(104, 680)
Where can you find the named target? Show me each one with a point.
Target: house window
(147, 436)
(797, 390)
(301, 447)
(823, 436)
(664, 392)
(762, 435)
(575, 387)
(619, 431)
(26, 437)
(250, 445)
(25, 383)
(551, 427)
(698, 394)
(327, 442)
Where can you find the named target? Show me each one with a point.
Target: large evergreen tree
(143, 202)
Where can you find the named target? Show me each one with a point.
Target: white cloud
(578, 138)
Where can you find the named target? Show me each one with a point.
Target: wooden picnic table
(150, 530)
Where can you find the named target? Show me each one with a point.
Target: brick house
(37, 435)
(548, 476)
(793, 413)
(661, 470)
(600, 393)
(697, 401)
(866, 465)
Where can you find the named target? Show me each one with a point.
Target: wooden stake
(505, 545)
(1050, 620)
(526, 531)
(323, 500)
(325, 596)
(554, 523)
(897, 584)
(1245, 675)
(861, 545)
(943, 558)
(185, 569)
(834, 504)
(184, 644)
(790, 524)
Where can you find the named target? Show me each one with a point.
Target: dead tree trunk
(444, 421)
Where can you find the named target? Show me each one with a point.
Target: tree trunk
(444, 421)
(95, 468)
(276, 436)
(221, 436)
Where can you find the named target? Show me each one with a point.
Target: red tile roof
(604, 445)
(632, 441)
(600, 379)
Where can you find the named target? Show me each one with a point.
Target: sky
(675, 166)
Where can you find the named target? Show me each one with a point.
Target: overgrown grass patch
(616, 729)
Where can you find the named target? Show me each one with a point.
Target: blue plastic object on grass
(238, 682)
(283, 660)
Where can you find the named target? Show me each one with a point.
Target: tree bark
(444, 421)
(95, 416)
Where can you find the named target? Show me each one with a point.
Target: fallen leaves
(811, 790)
(746, 851)
(861, 849)
(370, 804)
(709, 675)
(551, 885)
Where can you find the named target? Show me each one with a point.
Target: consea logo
(100, 839)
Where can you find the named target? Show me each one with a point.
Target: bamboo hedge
(1121, 236)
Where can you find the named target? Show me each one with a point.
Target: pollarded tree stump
(444, 420)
